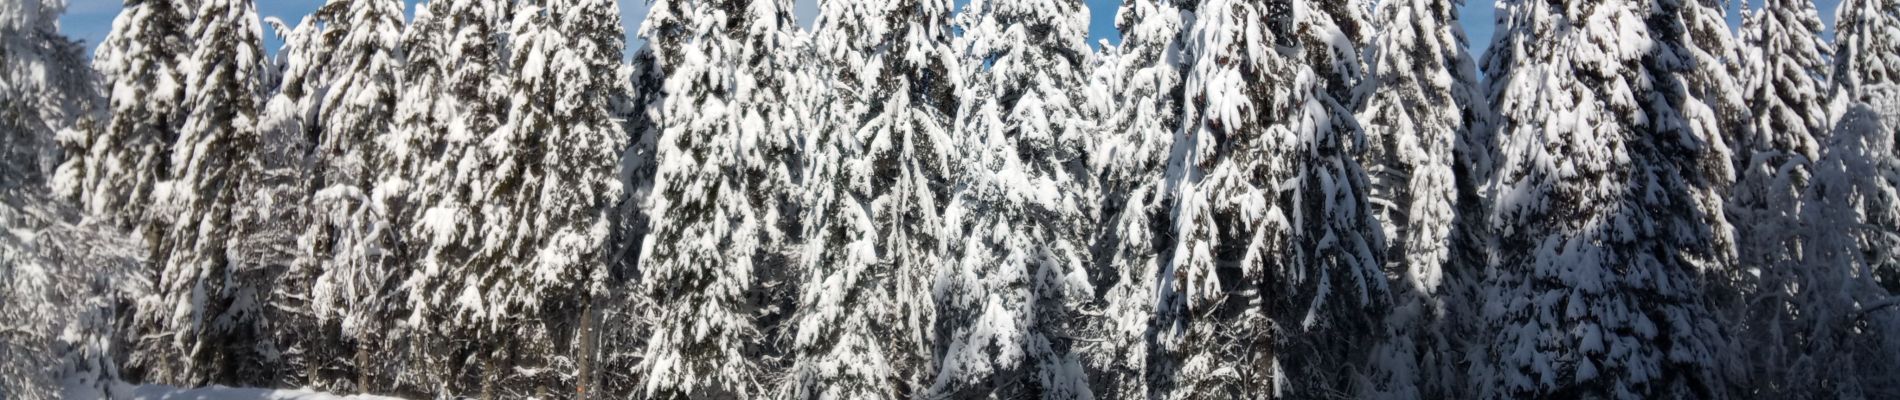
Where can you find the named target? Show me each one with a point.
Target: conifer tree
(1205, 335)
(1143, 86)
(1866, 69)
(113, 173)
(48, 93)
(1420, 106)
(1786, 75)
(1278, 256)
(540, 205)
(289, 118)
(1335, 286)
(1593, 289)
(1867, 53)
(724, 171)
(878, 174)
(269, 220)
(445, 233)
(423, 113)
(202, 323)
(1846, 313)
(1717, 79)
(624, 321)
(1694, 106)
(843, 327)
(286, 124)
(347, 246)
(638, 164)
(474, 98)
(61, 281)
(1020, 220)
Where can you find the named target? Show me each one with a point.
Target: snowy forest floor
(162, 392)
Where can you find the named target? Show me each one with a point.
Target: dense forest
(1303, 199)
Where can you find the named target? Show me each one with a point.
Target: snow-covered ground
(162, 392)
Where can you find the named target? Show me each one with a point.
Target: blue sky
(91, 19)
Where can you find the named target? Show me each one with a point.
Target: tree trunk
(362, 366)
(489, 376)
(589, 339)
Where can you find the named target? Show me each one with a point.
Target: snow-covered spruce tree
(1019, 225)
(61, 285)
(1867, 50)
(598, 87)
(1694, 108)
(877, 177)
(422, 115)
(1419, 103)
(1787, 67)
(1593, 290)
(1688, 89)
(346, 246)
(912, 152)
(112, 174)
(1708, 63)
(445, 193)
(1337, 288)
(202, 322)
(783, 74)
(846, 308)
(540, 201)
(1696, 113)
(1142, 87)
(286, 124)
(1277, 264)
(1211, 339)
(613, 325)
(1866, 67)
(47, 94)
(63, 288)
(421, 119)
(1099, 347)
(623, 320)
(1334, 52)
(289, 119)
(1847, 321)
(724, 171)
